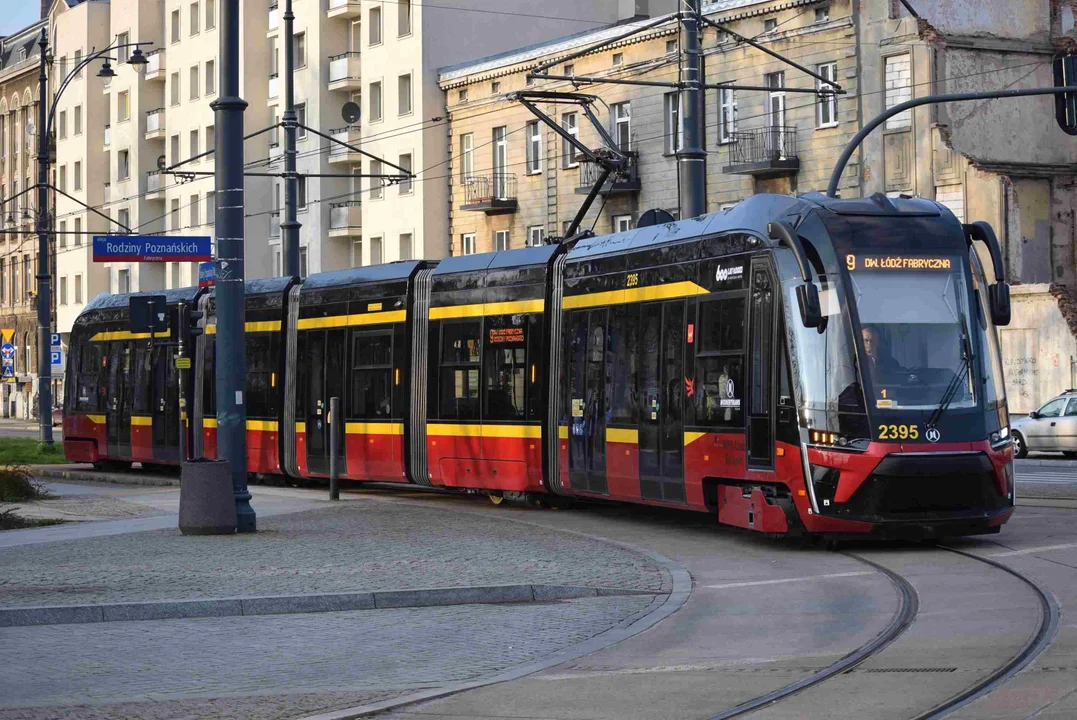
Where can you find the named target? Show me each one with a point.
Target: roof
(571, 43)
(24, 40)
(401, 270)
(523, 257)
(105, 301)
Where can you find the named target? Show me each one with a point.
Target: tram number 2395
(899, 432)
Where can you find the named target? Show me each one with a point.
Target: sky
(17, 14)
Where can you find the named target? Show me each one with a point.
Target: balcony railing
(764, 151)
(627, 180)
(344, 70)
(345, 217)
(108, 135)
(153, 181)
(274, 17)
(349, 134)
(492, 194)
(274, 224)
(155, 62)
(155, 120)
(273, 85)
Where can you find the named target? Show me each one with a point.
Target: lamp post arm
(77, 69)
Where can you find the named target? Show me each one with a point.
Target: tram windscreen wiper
(955, 383)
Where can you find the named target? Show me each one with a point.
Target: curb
(1059, 464)
(296, 604)
(47, 472)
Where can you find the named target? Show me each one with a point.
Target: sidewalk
(503, 614)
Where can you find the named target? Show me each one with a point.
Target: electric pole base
(206, 506)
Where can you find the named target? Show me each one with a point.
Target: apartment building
(19, 60)
(513, 181)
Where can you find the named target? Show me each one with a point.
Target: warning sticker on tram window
(505, 335)
(897, 262)
(373, 307)
(729, 402)
(577, 407)
(884, 403)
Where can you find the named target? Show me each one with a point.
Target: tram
(791, 366)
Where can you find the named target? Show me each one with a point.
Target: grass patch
(10, 521)
(26, 451)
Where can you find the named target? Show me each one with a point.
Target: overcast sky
(17, 14)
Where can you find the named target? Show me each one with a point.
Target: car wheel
(1020, 450)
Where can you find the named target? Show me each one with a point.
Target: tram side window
(624, 349)
(89, 377)
(720, 363)
(460, 355)
(506, 368)
(372, 368)
(259, 369)
(142, 401)
(209, 379)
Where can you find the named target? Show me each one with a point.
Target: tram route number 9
(899, 432)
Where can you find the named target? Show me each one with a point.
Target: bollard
(335, 419)
(207, 506)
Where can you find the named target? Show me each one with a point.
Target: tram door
(761, 369)
(325, 353)
(661, 427)
(586, 331)
(165, 405)
(118, 412)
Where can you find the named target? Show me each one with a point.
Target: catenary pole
(290, 226)
(691, 158)
(44, 279)
(231, 366)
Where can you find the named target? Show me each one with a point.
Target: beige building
(19, 61)
(514, 181)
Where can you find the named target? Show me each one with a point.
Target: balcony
(155, 124)
(343, 9)
(274, 89)
(626, 181)
(765, 152)
(345, 219)
(274, 19)
(274, 224)
(492, 194)
(155, 65)
(153, 186)
(344, 72)
(339, 153)
(108, 136)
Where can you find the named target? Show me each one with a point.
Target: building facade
(19, 62)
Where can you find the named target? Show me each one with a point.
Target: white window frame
(621, 115)
(467, 244)
(727, 115)
(826, 106)
(467, 157)
(536, 236)
(376, 91)
(568, 150)
(622, 223)
(375, 34)
(501, 240)
(404, 105)
(674, 122)
(534, 148)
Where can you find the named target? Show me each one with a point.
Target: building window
(674, 129)
(124, 217)
(176, 25)
(534, 148)
(174, 143)
(175, 274)
(462, 95)
(467, 157)
(301, 192)
(822, 12)
(622, 223)
(76, 61)
(299, 49)
(618, 59)
(123, 54)
(671, 47)
(403, 87)
(570, 69)
(63, 178)
(194, 19)
(301, 118)
(568, 150)
(770, 25)
(375, 251)
(211, 207)
(827, 103)
(403, 18)
(501, 240)
(376, 183)
(63, 289)
(467, 244)
(302, 262)
(775, 115)
(405, 246)
(196, 218)
(211, 77)
(211, 14)
(78, 232)
(211, 139)
(194, 83)
(194, 143)
(63, 233)
(123, 282)
(357, 253)
(898, 89)
(78, 175)
(276, 264)
(727, 115)
(500, 161)
(535, 236)
(28, 276)
(62, 124)
(174, 90)
(123, 106)
(174, 216)
(78, 119)
(405, 185)
(375, 26)
(274, 58)
(495, 87)
(622, 125)
(123, 166)
(3, 280)
(78, 289)
(375, 102)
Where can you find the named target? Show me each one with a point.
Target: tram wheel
(495, 499)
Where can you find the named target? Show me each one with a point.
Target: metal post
(290, 226)
(231, 333)
(691, 158)
(44, 279)
(334, 448)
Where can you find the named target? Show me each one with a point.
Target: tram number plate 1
(183, 363)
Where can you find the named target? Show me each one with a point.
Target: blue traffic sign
(151, 248)
(54, 340)
(56, 358)
(207, 274)
(8, 371)
(7, 351)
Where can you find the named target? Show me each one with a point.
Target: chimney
(45, 8)
(626, 9)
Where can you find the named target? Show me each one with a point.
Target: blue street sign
(54, 340)
(8, 371)
(7, 351)
(151, 248)
(56, 358)
(207, 274)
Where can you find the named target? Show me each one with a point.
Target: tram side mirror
(999, 294)
(808, 300)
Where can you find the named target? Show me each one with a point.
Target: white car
(1052, 428)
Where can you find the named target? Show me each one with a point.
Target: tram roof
(400, 270)
(106, 301)
(522, 257)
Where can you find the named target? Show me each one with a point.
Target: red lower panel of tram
(263, 455)
(496, 457)
(84, 438)
(377, 455)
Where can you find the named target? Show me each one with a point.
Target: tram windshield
(915, 330)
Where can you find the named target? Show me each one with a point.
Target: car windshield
(914, 338)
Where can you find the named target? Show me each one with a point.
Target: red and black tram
(791, 365)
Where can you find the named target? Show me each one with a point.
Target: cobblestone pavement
(114, 670)
(358, 545)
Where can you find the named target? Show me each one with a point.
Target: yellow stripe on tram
(669, 291)
(479, 309)
(255, 326)
(141, 421)
(99, 419)
(126, 335)
(263, 425)
(487, 431)
(622, 435)
(209, 423)
(373, 428)
(371, 318)
(691, 437)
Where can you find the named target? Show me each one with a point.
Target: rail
(485, 188)
(778, 142)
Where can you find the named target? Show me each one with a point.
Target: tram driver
(877, 361)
